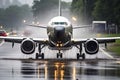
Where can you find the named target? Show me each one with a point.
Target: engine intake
(91, 46)
(28, 46)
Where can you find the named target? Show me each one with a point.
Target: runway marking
(106, 53)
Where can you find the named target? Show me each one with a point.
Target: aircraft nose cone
(59, 31)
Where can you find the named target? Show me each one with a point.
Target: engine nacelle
(91, 46)
(28, 46)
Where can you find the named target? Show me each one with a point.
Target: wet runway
(51, 68)
(59, 70)
(15, 66)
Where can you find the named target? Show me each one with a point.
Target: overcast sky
(30, 1)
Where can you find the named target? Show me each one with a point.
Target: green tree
(104, 10)
(89, 7)
(40, 7)
(108, 11)
(14, 15)
(77, 9)
(83, 9)
(116, 11)
(2, 14)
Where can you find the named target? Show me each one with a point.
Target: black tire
(78, 55)
(42, 56)
(57, 55)
(37, 55)
(83, 56)
(61, 55)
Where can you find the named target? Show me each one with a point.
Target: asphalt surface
(16, 66)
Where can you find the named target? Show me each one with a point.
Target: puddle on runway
(53, 70)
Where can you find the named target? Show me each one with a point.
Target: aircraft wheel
(78, 55)
(57, 55)
(37, 55)
(42, 56)
(61, 55)
(83, 56)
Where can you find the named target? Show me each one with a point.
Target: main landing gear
(40, 54)
(59, 54)
(80, 54)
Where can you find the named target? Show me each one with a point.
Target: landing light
(61, 45)
(57, 45)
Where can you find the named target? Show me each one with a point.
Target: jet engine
(28, 46)
(91, 46)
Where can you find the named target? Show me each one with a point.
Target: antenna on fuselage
(60, 12)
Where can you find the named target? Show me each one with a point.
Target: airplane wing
(38, 26)
(20, 39)
(100, 40)
(82, 26)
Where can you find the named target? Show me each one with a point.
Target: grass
(114, 47)
(111, 35)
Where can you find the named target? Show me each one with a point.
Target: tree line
(104, 10)
(13, 16)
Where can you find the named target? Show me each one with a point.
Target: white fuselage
(59, 31)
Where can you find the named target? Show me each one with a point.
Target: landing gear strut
(40, 54)
(59, 54)
(80, 54)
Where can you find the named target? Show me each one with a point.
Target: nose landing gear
(59, 54)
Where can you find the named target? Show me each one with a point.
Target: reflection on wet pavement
(53, 70)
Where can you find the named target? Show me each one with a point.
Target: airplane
(60, 32)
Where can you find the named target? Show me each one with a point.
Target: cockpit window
(59, 23)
